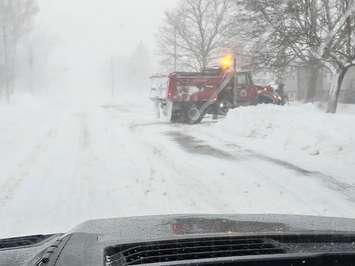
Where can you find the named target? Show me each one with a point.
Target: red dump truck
(188, 96)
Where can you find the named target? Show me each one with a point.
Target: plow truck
(188, 97)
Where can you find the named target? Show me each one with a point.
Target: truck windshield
(121, 108)
(242, 79)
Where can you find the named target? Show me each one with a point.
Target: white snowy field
(64, 163)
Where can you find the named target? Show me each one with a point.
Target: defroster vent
(189, 249)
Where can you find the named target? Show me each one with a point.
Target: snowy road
(108, 161)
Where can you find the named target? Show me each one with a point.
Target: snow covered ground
(302, 134)
(63, 163)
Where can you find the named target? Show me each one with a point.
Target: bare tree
(15, 21)
(282, 33)
(194, 33)
(313, 33)
(338, 47)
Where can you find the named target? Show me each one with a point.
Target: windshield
(242, 79)
(113, 109)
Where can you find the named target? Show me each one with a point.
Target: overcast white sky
(85, 33)
(106, 25)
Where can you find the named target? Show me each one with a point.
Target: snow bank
(346, 108)
(300, 128)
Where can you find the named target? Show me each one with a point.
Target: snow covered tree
(338, 46)
(15, 21)
(314, 33)
(282, 33)
(195, 32)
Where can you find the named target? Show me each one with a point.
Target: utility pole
(235, 92)
(6, 64)
(31, 65)
(175, 49)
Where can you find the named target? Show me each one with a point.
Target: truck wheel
(223, 108)
(193, 115)
(264, 100)
(174, 117)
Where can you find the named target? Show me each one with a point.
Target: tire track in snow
(167, 174)
(202, 192)
(86, 158)
(9, 187)
(331, 182)
(194, 145)
(157, 183)
(237, 152)
(122, 188)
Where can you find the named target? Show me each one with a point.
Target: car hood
(88, 240)
(146, 228)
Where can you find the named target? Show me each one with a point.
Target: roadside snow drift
(302, 128)
(301, 134)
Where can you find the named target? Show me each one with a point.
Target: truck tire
(175, 116)
(223, 108)
(193, 115)
(264, 100)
